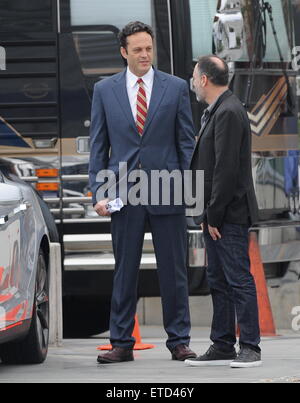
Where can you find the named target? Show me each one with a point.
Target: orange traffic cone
(138, 340)
(266, 321)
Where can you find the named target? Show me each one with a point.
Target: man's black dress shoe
(182, 352)
(117, 354)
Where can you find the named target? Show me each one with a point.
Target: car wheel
(34, 348)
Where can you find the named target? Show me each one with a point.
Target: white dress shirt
(133, 87)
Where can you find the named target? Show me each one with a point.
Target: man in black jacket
(223, 151)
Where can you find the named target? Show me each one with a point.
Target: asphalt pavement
(75, 362)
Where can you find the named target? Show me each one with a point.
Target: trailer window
(282, 17)
(112, 12)
(202, 17)
(95, 25)
(98, 52)
(282, 27)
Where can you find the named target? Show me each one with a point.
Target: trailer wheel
(85, 316)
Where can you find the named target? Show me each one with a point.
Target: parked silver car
(24, 275)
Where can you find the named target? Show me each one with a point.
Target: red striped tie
(141, 106)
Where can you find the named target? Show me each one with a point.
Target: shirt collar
(211, 106)
(147, 78)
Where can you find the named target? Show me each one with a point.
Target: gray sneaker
(213, 357)
(247, 358)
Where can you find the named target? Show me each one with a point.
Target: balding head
(215, 69)
(210, 78)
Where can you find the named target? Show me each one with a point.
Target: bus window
(202, 17)
(280, 23)
(98, 52)
(281, 14)
(204, 12)
(99, 55)
(112, 12)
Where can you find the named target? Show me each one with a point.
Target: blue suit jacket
(168, 139)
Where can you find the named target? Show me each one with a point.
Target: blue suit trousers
(169, 234)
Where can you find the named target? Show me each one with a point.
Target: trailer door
(29, 113)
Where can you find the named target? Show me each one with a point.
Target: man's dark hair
(134, 28)
(216, 74)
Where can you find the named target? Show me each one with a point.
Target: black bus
(56, 50)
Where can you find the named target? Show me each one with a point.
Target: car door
(12, 304)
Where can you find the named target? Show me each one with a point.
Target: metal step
(100, 261)
(68, 211)
(83, 252)
(97, 243)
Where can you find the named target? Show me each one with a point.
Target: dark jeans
(232, 287)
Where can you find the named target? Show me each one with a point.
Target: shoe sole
(183, 359)
(246, 364)
(103, 361)
(216, 363)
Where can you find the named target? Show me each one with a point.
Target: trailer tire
(85, 316)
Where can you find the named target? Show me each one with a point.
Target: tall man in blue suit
(143, 117)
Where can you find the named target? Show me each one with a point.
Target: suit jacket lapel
(121, 94)
(158, 91)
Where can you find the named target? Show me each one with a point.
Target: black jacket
(223, 151)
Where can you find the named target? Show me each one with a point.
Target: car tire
(33, 348)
